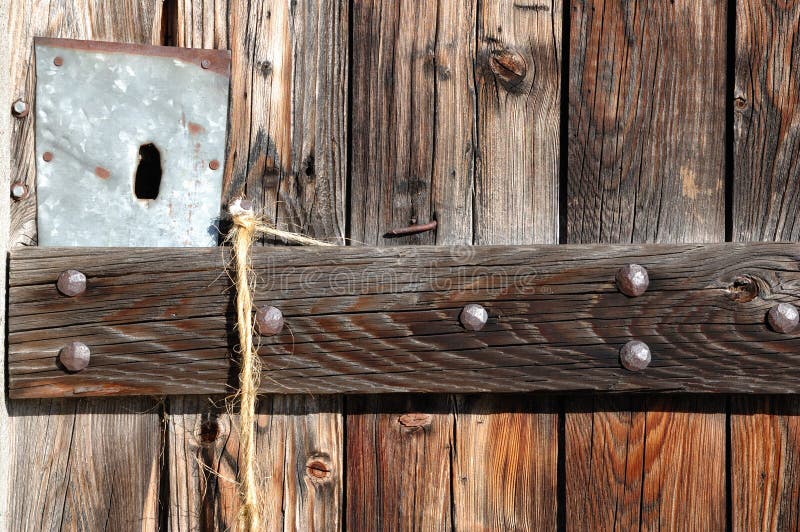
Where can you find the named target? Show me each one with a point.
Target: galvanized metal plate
(97, 103)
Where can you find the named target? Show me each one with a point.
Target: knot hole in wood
(318, 468)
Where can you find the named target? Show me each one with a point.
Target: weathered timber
(380, 320)
(646, 164)
(287, 151)
(67, 457)
(765, 431)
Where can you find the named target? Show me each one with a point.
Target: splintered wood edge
(378, 320)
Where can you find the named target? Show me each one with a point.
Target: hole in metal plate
(148, 173)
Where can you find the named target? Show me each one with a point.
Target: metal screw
(47, 156)
(205, 63)
(58, 61)
(783, 317)
(71, 283)
(473, 317)
(20, 109)
(635, 355)
(214, 164)
(75, 356)
(269, 321)
(19, 190)
(632, 280)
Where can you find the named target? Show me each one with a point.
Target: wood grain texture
(5, 218)
(413, 132)
(287, 150)
(364, 320)
(67, 457)
(766, 107)
(518, 73)
(646, 123)
(506, 449)
(764, 437)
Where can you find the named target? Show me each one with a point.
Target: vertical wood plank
(518, 91)
(413, 138)
(287, 150)
(506, 454)
(5, 219)
(646, 119)
(765, 432)
(67, 457)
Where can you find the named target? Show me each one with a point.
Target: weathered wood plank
(764, 432)
(518, 71)
(646, 115)
(67, 457)
(5, 217)
(363, 320)
(287, 151)
(413, 109)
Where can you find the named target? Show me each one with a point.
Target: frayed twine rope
(247, 226)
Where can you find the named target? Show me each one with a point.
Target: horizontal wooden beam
(367, 320)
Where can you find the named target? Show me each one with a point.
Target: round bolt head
(75, 356)
(71, 283)
(632, 280)
(635, 355)
(205, 63)
(58, 61)
(473, 317)
(20, 109)
(47, 156)
(214, 164)
(783, 317)
(19, 191)
(269, 321)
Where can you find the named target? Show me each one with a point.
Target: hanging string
(247, 226)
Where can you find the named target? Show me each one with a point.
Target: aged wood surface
(413, 122)
(287, 151)
(5, 218)
(646, 151)
(765, 431)
(372, 320)
(506, 449)
(67, 457)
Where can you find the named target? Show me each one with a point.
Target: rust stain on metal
(101, 172)
(58, 61)
(195, 129)
(219, 60)
(214, 164)
(47, 156)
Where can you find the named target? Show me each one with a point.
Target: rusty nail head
(632, 280)
(473, 317)
(214, 164)
(635, 355)
(75, 356)
(783, 317)
(58, 61)
(71, 283)
(205, 63)
(47, 156)
(20, 108)
(19, 190)
(269, 321)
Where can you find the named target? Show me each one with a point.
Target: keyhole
(148, 173)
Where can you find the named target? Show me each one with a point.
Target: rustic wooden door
(508, 122)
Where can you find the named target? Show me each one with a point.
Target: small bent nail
(411, 230)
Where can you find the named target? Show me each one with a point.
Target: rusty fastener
(411, 229)
(75, 356)
(20, 109)
(214, 164)
(783, 318)
(473, 317)
(632, 280)
(269, 321)
(58, 61)
(205, 63)
(47, 156)
(19, 190)
(635, 355)
(71, 283)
